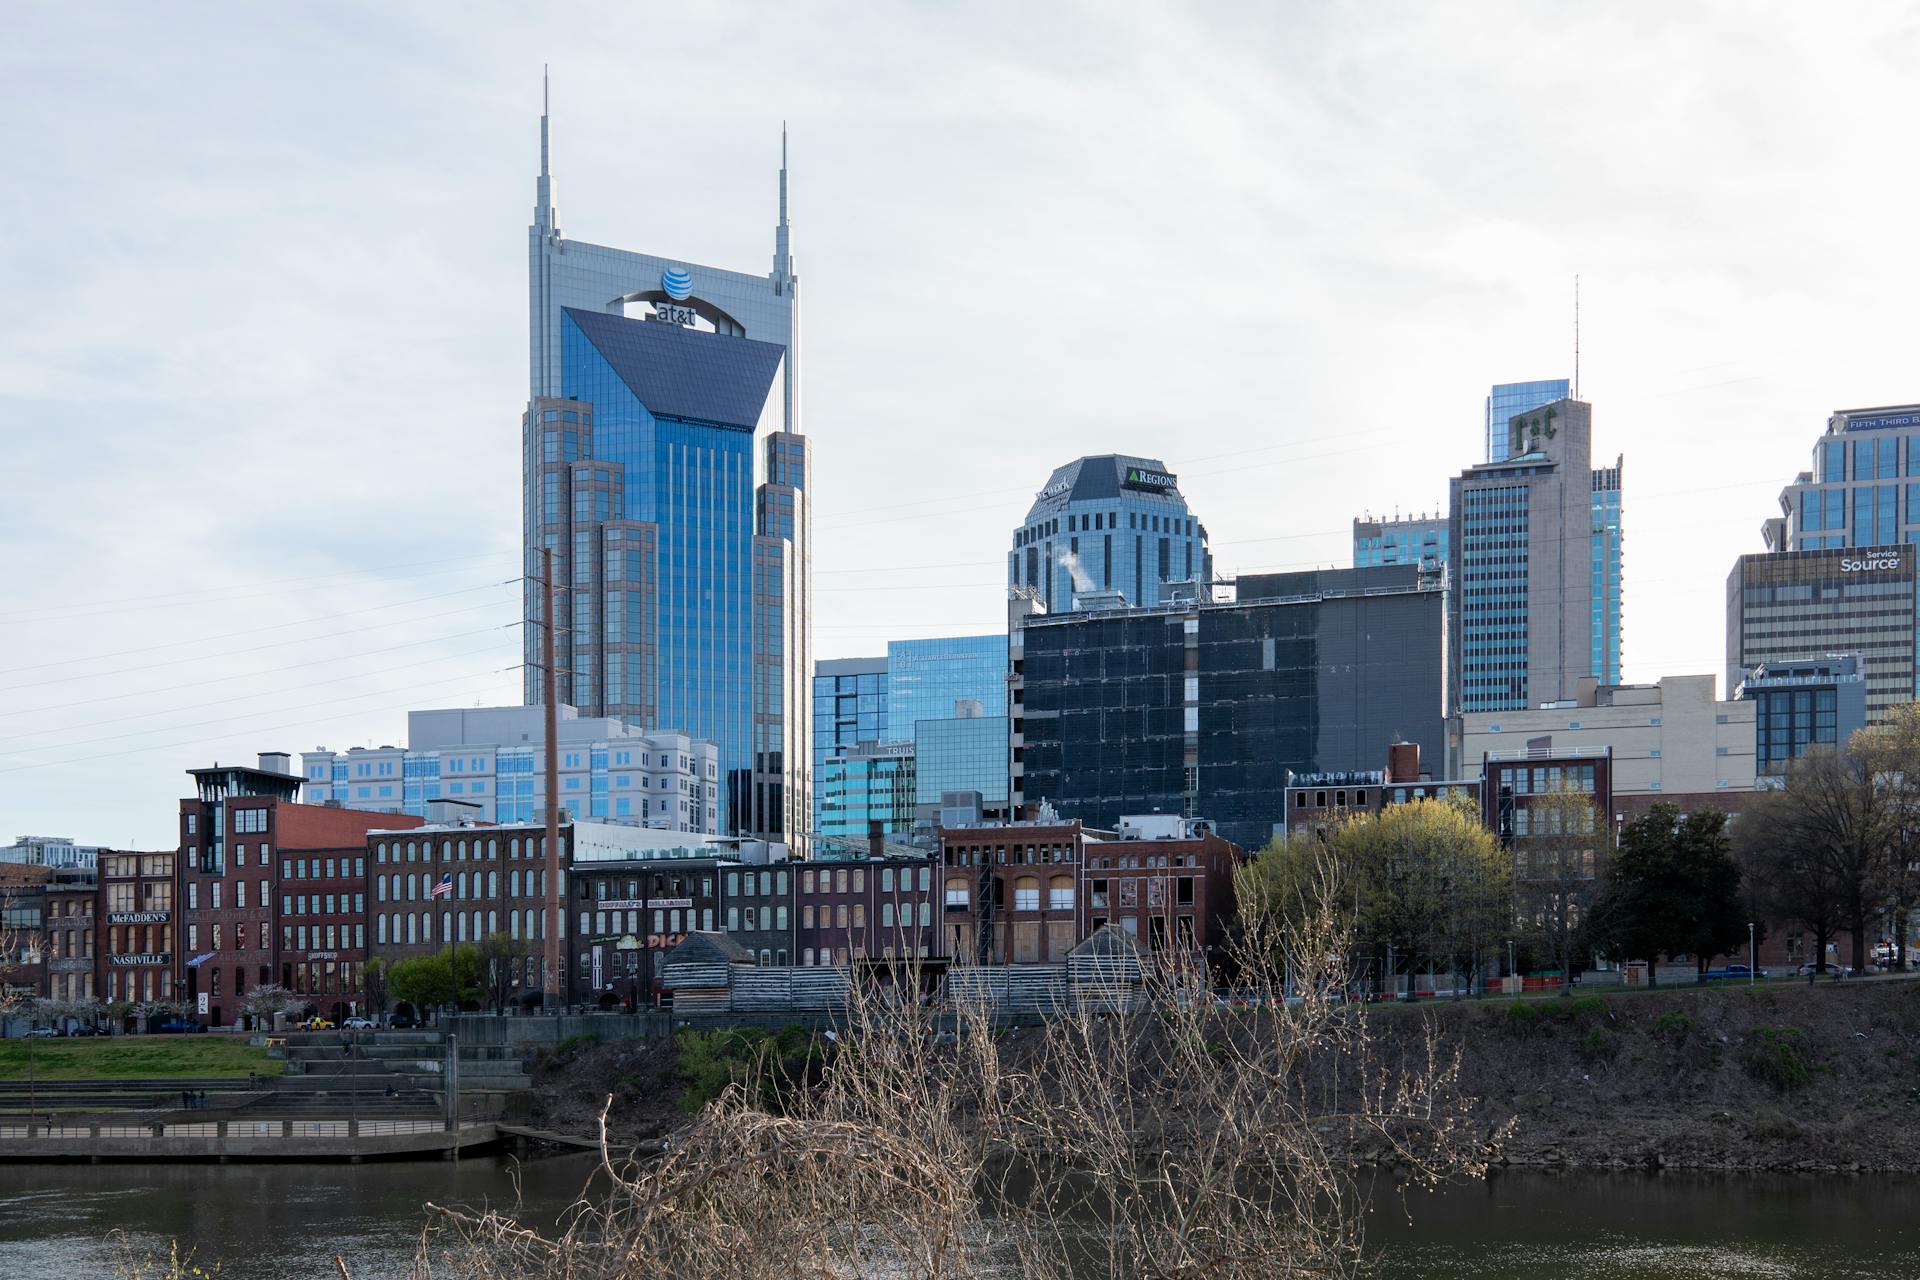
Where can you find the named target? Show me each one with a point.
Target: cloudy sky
(263, 347)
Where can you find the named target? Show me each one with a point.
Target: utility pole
(550, 983)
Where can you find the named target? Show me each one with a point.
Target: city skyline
(277, 323)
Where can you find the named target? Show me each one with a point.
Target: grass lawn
(136, 1057)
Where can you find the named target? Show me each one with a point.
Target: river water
(286, 1222)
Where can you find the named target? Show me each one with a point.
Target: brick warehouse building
(1011, 890)
(1166, 881)
(234, 835)
(864, 909)
(72, 948)
(140, 925)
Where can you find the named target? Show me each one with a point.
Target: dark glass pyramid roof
(685, 373)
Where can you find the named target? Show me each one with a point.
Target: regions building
(1199, 708)
(666, 476)
(1106, 526)
(485, 763)
(1790, 606)
(1534, 567)
(1815, 702)
(1669, 741)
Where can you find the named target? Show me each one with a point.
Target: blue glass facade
(1506, 399)
(1108, 524)
(864, 785)
(1409, 541)
(1605, 571)
(647, 498)
(961, 755)
(926, 677)
(849, 708)
(1493, 591)
(1864, 487)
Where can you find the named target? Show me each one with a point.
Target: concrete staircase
(416, 1057)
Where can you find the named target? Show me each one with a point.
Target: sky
(263, 311)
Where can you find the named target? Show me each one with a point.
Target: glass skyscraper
(1863, 489)
(665, 472)
(855, 767)
(1533, 577)
(948, 696)
(1414, 540)
(1108, 530)
(1506, 399)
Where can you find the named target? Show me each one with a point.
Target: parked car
(402, 1022)
(1811, 967)
(358, 1024)
(178, 1026)
(316, 1023)
(42, 1033)
(1735, 971)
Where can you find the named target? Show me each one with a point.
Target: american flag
(444, 888)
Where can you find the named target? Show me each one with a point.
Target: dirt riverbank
(1786, 1077)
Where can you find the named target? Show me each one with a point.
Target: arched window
(513, 884)
(493, 924)
(1026, 893)
(380, 852)
(513, 924)
(958, 894)
(513, 847)
(493, 884)
(380, 926)
(380, 890)
(1060, 893)
(462, 855)
(493, 850)
(410, 889)
(460, 924)
(413, 934)
(460, 887)
(413, 853)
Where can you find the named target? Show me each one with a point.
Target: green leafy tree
(1673, 889)
(426, 982)
(1419, 884)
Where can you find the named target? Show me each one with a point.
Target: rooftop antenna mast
(1576, 336)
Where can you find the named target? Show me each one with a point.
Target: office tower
(1853, 496)
(1814, 702)
(666, 473)
(1804, 599)
(1200, 709)
(1108, 530)
(947, 695)
(1526, 565)
(1604, 613)
(1421, 539)
(1791, 606)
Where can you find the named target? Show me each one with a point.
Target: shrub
(1578, 1009)
(770, 1064)
(1599, 1045)
(1776, 1056)
(1522, 1017)
(1673, 1023)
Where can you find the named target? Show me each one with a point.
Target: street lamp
(1510, 964)
(1753, 956)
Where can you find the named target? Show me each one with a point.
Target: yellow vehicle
(317, 1023)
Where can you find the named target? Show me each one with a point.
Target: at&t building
(666, 473)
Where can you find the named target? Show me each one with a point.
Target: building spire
(782, 245)
(543, 215)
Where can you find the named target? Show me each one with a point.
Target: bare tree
(1891, 750)
(1560, 847)
(1815, 849)
(1162, 1137)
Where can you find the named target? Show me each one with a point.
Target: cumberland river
(285, 1222)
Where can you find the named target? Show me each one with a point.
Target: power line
(247, 675)
(222, 737)
(281, 626)
(244, 697)
(176, 599)
(229, 653)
